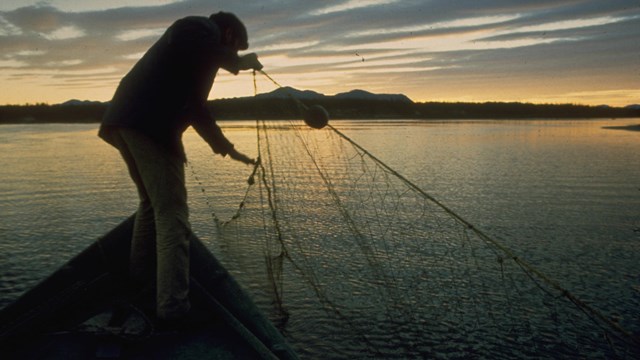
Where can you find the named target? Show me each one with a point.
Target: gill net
(358, 262)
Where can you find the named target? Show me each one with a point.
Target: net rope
(398, 273)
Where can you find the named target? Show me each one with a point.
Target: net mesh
(395, 273)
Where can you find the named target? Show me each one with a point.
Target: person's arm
(199, 43)
(207, 128)
(244, 62)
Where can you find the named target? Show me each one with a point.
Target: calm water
(565, 195)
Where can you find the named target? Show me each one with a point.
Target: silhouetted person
(163, 94)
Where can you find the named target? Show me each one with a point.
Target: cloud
(64, 33)
(350, 6)
(12, 63)
(7, 28)
(140, 34)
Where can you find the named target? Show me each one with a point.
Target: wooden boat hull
(94, 285)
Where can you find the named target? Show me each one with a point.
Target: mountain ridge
(355, 94)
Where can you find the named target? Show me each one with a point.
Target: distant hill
(365, 95)
(355, 104)
(287, 91)
(280, 104)
(76, 102)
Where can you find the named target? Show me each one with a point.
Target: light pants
(160, 233)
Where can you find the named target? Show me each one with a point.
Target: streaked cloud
(430, 50)
(8, 29)
(12, 63)
(571, 24)
(140, 34)
(350, 5)
(64, 33)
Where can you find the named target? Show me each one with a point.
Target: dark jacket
(167, 89)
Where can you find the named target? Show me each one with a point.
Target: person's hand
(235, 155)
(249, 61)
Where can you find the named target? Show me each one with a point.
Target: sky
(538, 51)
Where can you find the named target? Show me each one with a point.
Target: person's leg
(142, 259)
(162, 175)
(142, 264)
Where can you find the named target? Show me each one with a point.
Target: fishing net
(359, 262)
(396, 273)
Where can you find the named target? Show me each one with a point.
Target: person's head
(234, 34)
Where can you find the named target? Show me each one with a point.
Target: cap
(226, 20)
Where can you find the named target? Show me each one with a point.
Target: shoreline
(626, 127)
(634, 127)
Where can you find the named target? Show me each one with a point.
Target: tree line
(287, 108)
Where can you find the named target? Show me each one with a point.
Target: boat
(87, 309)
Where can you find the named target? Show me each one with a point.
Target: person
(162, 95)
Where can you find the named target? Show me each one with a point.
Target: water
(568, 184)
(565, 195)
